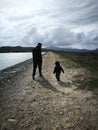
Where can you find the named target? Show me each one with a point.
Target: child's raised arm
(62, 70)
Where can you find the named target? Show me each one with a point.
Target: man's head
(39, 45)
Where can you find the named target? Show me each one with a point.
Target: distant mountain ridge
(71, 49)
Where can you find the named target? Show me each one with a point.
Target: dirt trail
(45, 104)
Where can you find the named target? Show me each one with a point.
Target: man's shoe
(33, 77)
(41, 75)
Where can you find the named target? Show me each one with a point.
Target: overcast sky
(64, 23)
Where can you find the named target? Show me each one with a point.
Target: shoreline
(7, 74)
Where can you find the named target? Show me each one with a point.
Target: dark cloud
(81, 12)
(95, 38)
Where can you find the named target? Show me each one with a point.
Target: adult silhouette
(37, 60)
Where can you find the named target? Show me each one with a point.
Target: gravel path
(45, 104)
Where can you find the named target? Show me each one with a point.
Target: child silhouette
(57, 70)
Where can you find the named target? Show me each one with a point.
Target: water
(9, 59)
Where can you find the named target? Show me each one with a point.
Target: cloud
(52, 22)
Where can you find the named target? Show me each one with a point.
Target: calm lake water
(9, 59)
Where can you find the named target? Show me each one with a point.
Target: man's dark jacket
(37, 56)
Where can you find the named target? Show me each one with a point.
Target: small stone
(63, 93)
(61, 113)
(68, 82)
(42, 109)
(12, 120)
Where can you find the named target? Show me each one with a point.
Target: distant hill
(6, 49)
(15, 49)
(70, 49)
(96, 50)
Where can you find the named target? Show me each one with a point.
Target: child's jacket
(58, 69)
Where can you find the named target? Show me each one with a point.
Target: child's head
(57, 63)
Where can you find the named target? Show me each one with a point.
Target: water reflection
(9, 59)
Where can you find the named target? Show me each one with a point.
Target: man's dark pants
(35, 65)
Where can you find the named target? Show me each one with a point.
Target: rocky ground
(44, 103)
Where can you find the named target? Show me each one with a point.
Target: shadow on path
(64, 84)
(46, 84)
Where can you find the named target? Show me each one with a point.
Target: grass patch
(93, 83)
(89, 61)
(89, 84)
